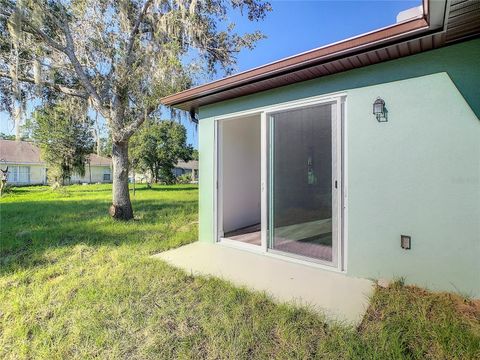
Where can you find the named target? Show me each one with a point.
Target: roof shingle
(23, 152)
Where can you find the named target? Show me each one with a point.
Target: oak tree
(122, 56)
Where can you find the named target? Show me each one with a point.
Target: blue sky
(296, 26)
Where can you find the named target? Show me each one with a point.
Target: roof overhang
(424, 32)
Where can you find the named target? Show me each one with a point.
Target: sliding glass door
(304, 183)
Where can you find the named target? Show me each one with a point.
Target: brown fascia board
(357, 44)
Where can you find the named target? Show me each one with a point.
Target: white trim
(240, 245)
(255, 249)
(313, 100)
(216, 200)
(337, 98)
(337, 184)
(438, 12)
(345, 184)
(264, 179)
(238, 115)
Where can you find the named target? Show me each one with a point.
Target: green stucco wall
(206, 178)
(418, 174)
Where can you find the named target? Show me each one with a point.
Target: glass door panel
(301, 176)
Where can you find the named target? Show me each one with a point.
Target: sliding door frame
(340, 205)
(336, 181)
(218, 179)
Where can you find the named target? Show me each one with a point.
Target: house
(359, 159)
(181, 168)
(25, 166)
(98, 169)
(189, 167)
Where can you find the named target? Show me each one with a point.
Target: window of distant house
(106, 175)
(19, 174)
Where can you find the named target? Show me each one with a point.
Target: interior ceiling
(461, 20)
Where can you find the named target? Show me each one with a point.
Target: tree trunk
(90, 171)
(17, 116)
(18, 119)
(152, 175)
(97, 134)
(155, 167)
(122, 207)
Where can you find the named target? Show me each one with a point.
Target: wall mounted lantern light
(379, 110)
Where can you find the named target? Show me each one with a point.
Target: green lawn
(76, 284)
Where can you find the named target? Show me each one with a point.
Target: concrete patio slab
(336, 295)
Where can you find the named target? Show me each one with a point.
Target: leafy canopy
(121, 55)
(65, 140)
(157, 147)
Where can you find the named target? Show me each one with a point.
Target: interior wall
(240, 159)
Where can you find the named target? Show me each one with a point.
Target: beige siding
(36, 174)
(93, 174)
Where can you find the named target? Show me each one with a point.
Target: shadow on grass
(25, 189)
(78, 189)
(165, 188)
(30, 228)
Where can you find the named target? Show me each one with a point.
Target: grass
(76, 284)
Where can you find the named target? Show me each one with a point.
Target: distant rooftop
(192, 164)
(19, 152)
(99, 160)
(24, 152)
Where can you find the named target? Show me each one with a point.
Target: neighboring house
(25, 166)
(98, 169)
(190, 167)
(182, 167)
(361, 157)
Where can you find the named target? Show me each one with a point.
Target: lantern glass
(378, 107)
(379, 110)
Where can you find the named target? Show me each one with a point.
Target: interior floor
(249, 234)
(311, 239)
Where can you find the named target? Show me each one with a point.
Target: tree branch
(134, 31)
(118, 103)
(69, 50)
(64, 89)
(130, 129)
(32, 29)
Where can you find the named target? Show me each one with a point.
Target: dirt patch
(468, 308)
